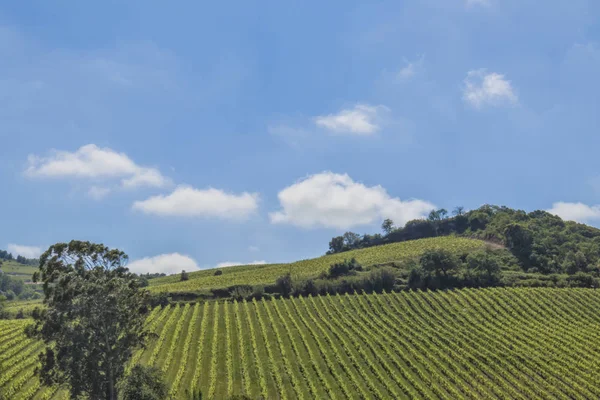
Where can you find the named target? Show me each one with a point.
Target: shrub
(143, 383)
(184, 276)
(284, 284)
(347, 267)
(218, 272)
(379, 279)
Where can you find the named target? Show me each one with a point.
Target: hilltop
(249, 275)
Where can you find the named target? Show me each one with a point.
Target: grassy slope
(18, 271)
(267, 274)
(470, 343)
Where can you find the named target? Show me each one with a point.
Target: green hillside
(17, 270)
(267, 274)
(462, 344)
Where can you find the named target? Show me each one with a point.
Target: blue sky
(197, 135)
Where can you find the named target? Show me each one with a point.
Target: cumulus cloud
(363, 119)
(483, 89)
(25, 251)
(336, 201)
(575, 211)
(93, 162)
(164, 263)
(225, 264)
(186, 201)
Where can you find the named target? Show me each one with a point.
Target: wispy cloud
(488, 89)
(410, 69)
(362, 119)
(25, 251)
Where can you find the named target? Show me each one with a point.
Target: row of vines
(267, 274)
(517, 343)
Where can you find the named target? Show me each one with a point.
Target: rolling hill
(311, 268)
(513, 343)
(17, 270)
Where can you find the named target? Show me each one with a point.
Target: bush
(143, 383)
(218, 272)
(241, 292)
(184, 276)
(379, 279)
(347, 267)
(284, 284)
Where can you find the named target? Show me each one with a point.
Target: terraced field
(518, 343)
(267, 274)
(18, 271)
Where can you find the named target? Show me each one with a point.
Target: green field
(267, 274)
(517, 343)
(18, 271)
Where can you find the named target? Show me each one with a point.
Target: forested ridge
(541, 242)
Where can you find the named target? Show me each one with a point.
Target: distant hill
(541, 242)
(18, 271)
(218, 278)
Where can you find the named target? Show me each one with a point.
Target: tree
(2, 314)
(458, 211)
(437, 215)
(184, 276)
(439, 262)
(336, 245)
(387, 226)
(93, 321)
(351, 239)
(285, 284)
(143, 383)
(483, 267)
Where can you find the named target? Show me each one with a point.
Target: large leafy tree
(93, 321)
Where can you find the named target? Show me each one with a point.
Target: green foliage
(541, 242)
(184, 276)
(284, 284)
(346, 267)
(465, 343)
(309, 269)
(93, 321)
(143, 383)
(218, 272)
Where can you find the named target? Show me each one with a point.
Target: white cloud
(165, 263)
(225, 264)
(25, 251)
(410, 69)
(253, 248)
(98, 192)
(482, 88)
(363, 119)
(575, 211)
(93, 162)
(186, 201)
(335, 201)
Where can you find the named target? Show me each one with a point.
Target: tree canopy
(94, 318)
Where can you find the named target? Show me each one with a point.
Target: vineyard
(267, 274)
(463, 344)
